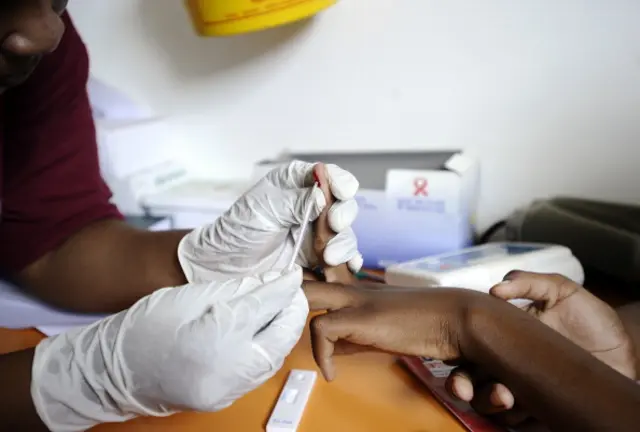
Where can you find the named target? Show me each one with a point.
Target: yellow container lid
(232, 17)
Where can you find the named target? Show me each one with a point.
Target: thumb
(290, 205)
(279, 337)
(535, 287)
(265, 301)
(460, 385)
(294, 175)
(521, 290)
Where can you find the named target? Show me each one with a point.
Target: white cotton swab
(303, 230)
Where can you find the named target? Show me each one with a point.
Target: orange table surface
(371, 393)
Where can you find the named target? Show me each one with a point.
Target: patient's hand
(567, 308)
(323, 233)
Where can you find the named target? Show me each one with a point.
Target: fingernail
(462, 388)
(330, 376)
(501, 397)
(495, 400)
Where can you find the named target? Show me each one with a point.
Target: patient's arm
(324, 233)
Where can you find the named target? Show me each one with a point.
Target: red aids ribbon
(421, 185)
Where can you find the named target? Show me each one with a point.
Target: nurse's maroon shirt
(50, 183)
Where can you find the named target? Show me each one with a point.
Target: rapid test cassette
(293, 399)
(481, 267)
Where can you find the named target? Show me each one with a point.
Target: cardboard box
(411, 205)
(194, 202)
(134, 150)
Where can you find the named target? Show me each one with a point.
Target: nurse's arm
(105, 268)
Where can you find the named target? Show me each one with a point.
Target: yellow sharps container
(231, 17)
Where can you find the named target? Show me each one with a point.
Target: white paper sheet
(18, 311)
(109, 103)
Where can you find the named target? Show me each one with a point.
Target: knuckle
(566, 286)
(557, 278)
(355, 297)
(368, 307)
(514, 274)
(318, 324)
(561, 284)
(348, 290)
(360, 297)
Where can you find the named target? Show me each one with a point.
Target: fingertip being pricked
(321, 178)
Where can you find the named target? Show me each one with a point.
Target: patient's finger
(323, 339)
(325, 296)
(343, 347)
(324, 233)
(460, 385)
(535, 286)
(470, 383)
(327, 330)
(492, 398)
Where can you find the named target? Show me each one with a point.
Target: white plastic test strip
(287, 414)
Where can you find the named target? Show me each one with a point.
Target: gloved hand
(199, 347)
(258, 233)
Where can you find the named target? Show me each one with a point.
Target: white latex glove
(258, 233)
(198, 347)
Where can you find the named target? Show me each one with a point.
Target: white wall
(545, 92)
